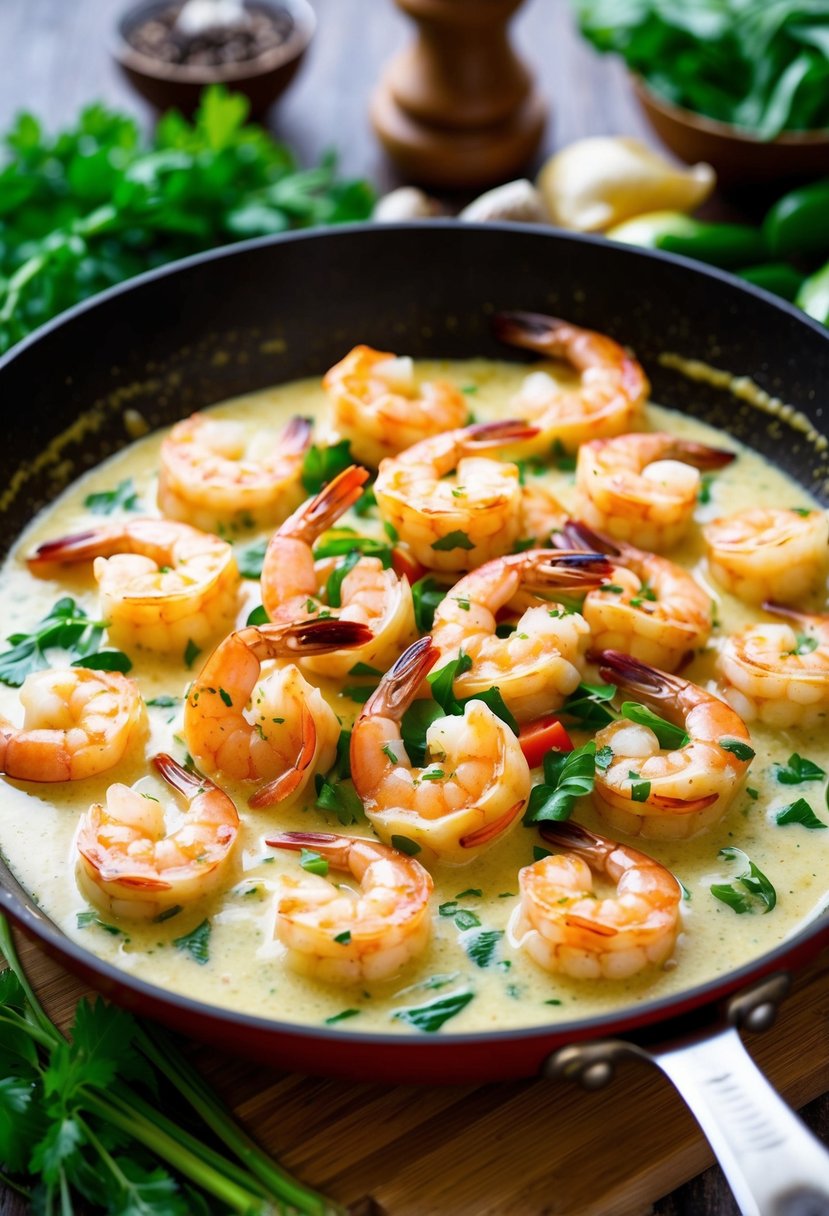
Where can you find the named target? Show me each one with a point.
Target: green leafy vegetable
(415, 723)
(752, 63)
(84, 1120)
(604, 758)
(250, 559)
(65, 627)
(191, 653)
(667, 734)
(797, 769)
(737, 748)
(321, 464)
(429, 1018)
(122, 498)
(587, 706)
(340, 797)
(90, 206)
(313, 862)
(426, 594)
(196, 943)
(404, 845)
(567, 776)
(798, 812)
(257, 616)
(453, 540)
(481, 947)
(442, 680)
(105, 660)
(750, 890)
(640, 790)
(341, 1016)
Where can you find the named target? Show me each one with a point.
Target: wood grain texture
(522, 1149)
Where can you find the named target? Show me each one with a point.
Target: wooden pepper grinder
(457, 109)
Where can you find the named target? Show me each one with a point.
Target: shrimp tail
(568, 835)
(79, 547)
(577, 535)
(335, 849)
(185, 780)
(316, 637)
(296, 436)
(632, 676)
(286, 783)
(397, 689)
(700, 455)
(496, 434)
(333, 500)
(531, 331)
(578, 571)
(776, 609)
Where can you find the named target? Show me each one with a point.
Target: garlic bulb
(518, 201)
(596, 183)
(405, 203)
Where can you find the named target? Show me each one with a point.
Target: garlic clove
(405, 203)
(518, 201)
(598, 182)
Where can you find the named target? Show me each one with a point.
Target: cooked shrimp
(676, 792)
(162, 583)
(455, 522)
(279, 730)
(769, 551)
(338, 936)
(779, 673)
(131, 866)
(379, 406)
(78, 723)
(612, 386)
(216, 473)
(650, 607)
(643, 487)
(292, 582)
(542, 661)
(565, 927)
(473, 788)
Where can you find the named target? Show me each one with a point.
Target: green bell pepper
(798, 223)
(779, 278)
(726, 245)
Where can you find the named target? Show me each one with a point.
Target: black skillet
(274, 310)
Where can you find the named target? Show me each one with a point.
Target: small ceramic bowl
(739, 158)
(261, 79)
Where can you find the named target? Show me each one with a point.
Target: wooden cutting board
(523, 1149)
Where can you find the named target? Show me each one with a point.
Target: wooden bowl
(167, 85)
(739, 158)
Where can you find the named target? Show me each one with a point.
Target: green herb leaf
(750, 890)
(668, 735)
(567, 776)
(453, 540)
(640, 791)
(341, 1016)
(738, 748)
(442, 681)
(65, 627)
(804, 644)
(798, 812)
(586, 707)
(604, 758)
(404, 845)
(798, 769)
(105, 502)
(341, 798)
(414, 725)
(105, 660)
(333, 587)
(191, 653)
(321, 464)
(481, 947)
(251, 558)
(429, 1018)
(363, 669)
(343, 939)
(427, 593)
(196, 943)
(258, 616)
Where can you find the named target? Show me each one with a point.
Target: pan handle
(773, 1163)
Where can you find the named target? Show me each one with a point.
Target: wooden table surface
(54, 58)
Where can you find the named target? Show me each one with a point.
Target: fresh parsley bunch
(93, 206)
(95, 1122)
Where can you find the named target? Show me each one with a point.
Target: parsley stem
(161, 1051)
(133, 1103)
(15, 1186)
(181, 1158)
(7, 949)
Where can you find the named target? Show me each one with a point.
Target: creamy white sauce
(245, 970)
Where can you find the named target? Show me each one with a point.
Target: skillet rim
(23, 910)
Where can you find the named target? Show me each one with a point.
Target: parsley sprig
(92, 1119)
(65, 627)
